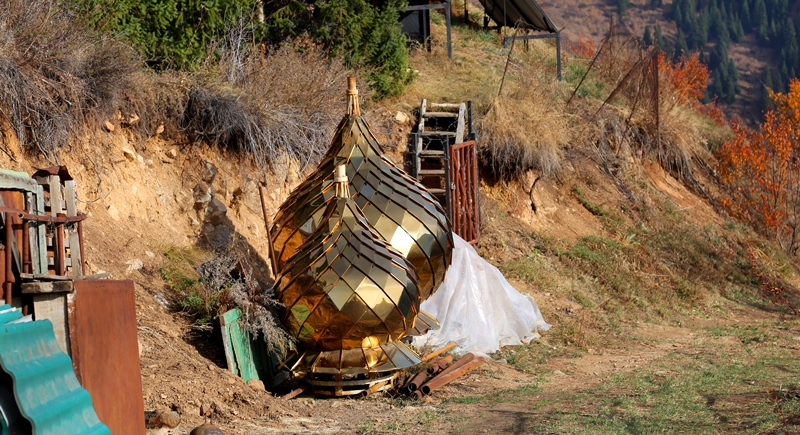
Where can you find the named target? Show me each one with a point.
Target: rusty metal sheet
(102, 329)
(464, 216)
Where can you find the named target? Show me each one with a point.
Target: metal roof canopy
(525, 14)
(509, 12)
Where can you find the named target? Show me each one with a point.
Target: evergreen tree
(656, 3)
(623, 6)
(659, 38)
(759, 20)
(745, 16)
(677, 13)
(647, 39)
(680, 45)
(767, 85)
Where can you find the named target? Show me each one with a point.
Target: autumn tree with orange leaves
(762, 170)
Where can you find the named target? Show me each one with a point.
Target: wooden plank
(10, 182)
(462, 111)
(453, 106)
(64, 278)
(441, 115)
(226, 320)
(70, 198)
(56, 205)
(53, 307)
(438, 134)
(75, 260)
(41, 246)
(40, 287)
(72, 240)
(240, 339)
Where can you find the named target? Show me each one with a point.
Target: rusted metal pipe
(9, 233)
(61, 218)
(60, 250)
(438, 352)
(444, 362)
(434, 366)
(461, 361)
(443, 378)
(26, 248)
(294, 393)
(80, 240)
(417, 381)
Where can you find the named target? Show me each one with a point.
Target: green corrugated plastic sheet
(48, 393)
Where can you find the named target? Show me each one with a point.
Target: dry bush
(286, 103)
(55, 77)
(527, 127)
(229, 271)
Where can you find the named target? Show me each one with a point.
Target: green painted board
(246, 357)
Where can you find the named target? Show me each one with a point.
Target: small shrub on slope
(286, 104)
(762, 170)
(54, 78)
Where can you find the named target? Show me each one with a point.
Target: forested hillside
(710, 27)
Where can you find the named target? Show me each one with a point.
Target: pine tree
(647, 39)
(659, 38)
(760, 17)
(680, 45)
(656, 3)
(767, 85)
(745, 16)
(623, 6)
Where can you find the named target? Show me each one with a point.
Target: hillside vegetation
(668, 314)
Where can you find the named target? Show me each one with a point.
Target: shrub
(174, 33)
(365, 36)
(762, 171)
(204, 283)
(286, 104)
(55, 80)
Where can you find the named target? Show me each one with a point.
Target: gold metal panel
(347, 305)
(375, 181)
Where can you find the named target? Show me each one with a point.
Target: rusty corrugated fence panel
(102, 318)
(464, 216)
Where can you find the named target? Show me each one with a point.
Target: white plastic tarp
(478, 309)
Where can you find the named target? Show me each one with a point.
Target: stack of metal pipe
(440, 372)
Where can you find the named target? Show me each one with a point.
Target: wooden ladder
(440, 125)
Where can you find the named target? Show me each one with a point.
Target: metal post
(558, 55)
(9, 234)
(447, 22)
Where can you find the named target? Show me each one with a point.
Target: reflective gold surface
(345, 287)
(352, 272)
(396, 205)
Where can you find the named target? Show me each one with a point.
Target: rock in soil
(162, 418)
(206, 429)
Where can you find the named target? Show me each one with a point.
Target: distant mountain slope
(749, 50)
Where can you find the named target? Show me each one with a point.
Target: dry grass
(284, 104)
(54, 80)
(527, 126)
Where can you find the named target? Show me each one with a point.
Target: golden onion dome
(345, 287)
(395, 204)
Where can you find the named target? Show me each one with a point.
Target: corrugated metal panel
(8, 314)
(47, 392)
(510, 11)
